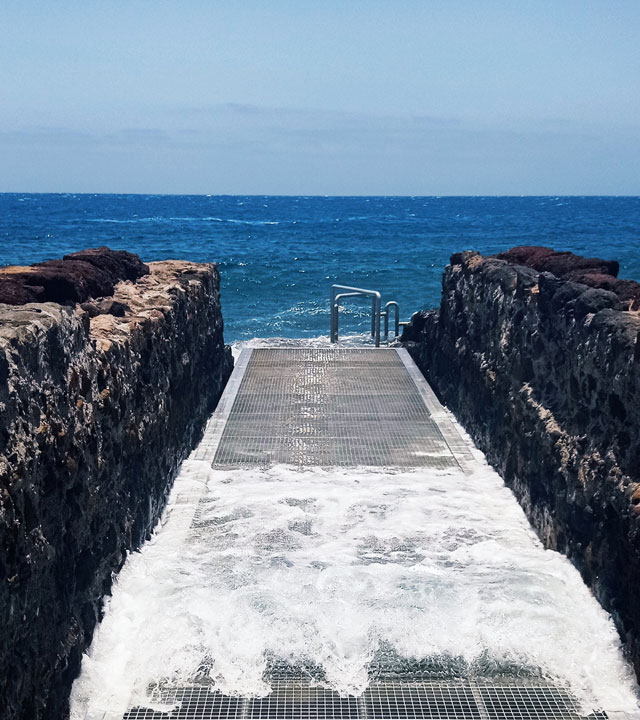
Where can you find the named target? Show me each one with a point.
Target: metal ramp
(343, 407)
(336, 407)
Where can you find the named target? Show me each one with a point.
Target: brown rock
(59, 281)
(530, 255)
(14, 292)
(594, 272)
(118, 264)
(80, 279)
(627, 290)
(76, 278)
(565, 263)
(561, 264)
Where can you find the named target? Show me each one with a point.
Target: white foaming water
(336, 567)
(357, 340)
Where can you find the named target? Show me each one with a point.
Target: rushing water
(343, 569)
(278, 256)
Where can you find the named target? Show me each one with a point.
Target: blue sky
(296, 97)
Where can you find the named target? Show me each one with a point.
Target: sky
(323, 97)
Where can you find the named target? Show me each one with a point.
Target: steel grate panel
(384, 700)
(504, 703)
(330, 407)
(419, 701)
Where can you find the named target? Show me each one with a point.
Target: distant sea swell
(279, 255)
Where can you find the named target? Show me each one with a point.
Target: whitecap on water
(339, 569)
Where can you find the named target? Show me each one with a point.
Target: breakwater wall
(99, 403)
(543, 370)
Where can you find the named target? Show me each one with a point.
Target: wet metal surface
(386, 700)
(331, 407)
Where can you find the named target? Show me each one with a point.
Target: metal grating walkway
(422, 700)
(342, 407)
(330, 408)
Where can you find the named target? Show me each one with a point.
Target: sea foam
(341, 568)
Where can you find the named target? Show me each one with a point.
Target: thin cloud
(244, 148)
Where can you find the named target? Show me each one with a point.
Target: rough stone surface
(14, 292)
(76, 278)
(594, 272)
(97, 413)
(118, 264)
(544, 373)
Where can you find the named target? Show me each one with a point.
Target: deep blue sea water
(278, 256)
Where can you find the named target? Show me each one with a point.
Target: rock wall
(97, 412)
(544, 373)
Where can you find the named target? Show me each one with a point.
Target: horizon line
(315, 195)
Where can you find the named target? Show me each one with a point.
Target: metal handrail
(340, 292)
(385, 314)
(336, 296)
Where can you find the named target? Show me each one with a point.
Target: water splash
(347, 570)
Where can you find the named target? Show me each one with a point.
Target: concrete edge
(457, 445)
(208, 446)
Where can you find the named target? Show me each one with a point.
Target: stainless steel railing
(341, 292)
(392, 304)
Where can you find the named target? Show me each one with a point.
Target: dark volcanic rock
(561, 264)
(55, 281)
(70, 280)
(118, 264)
(14, 292)
(627, 291)
(75, 279)
(594, 272)
(544, 373)
(97, 413)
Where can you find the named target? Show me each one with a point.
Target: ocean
(278, 256)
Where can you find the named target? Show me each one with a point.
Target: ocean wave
(306, 308)
(131, 221)
(252, 222)
(236, 221)
(172, 220)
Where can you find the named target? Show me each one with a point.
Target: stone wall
(544, 373)
(99, 406)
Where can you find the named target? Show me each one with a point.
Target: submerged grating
(301, 700)
(330, 407)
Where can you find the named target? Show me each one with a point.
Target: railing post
(333, 336)
(387, 310)
(376, 309)
(373, 316)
